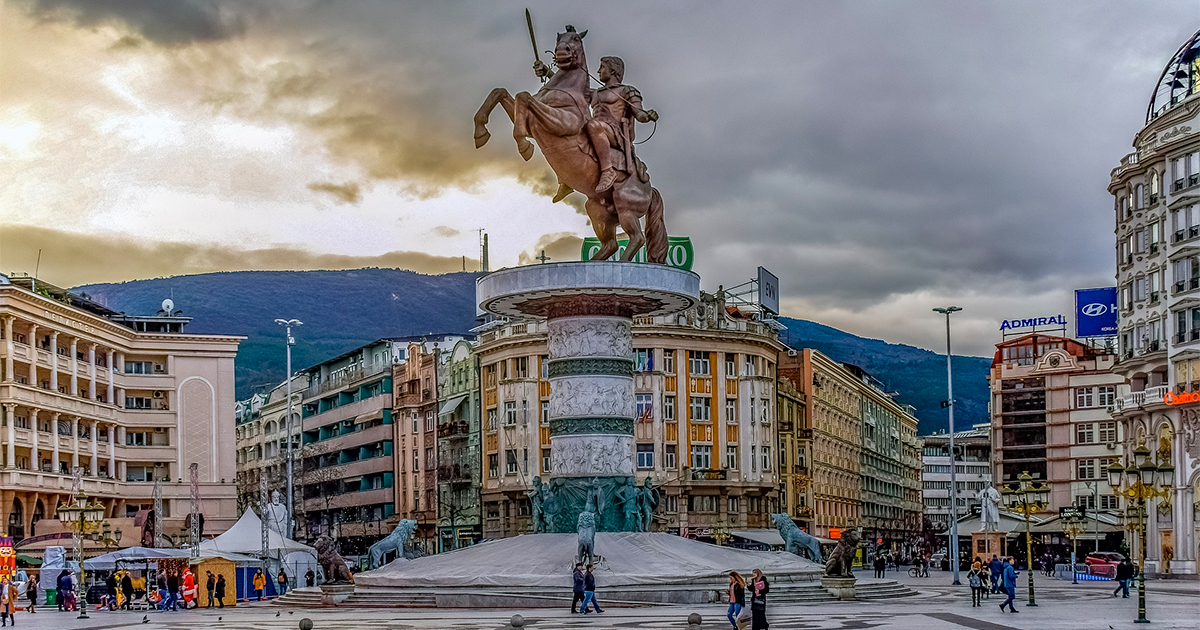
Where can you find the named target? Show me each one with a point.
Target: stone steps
(390, 600)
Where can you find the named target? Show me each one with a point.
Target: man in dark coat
(127, 590)
(996, 567)
(576, 587)
(1125, 573)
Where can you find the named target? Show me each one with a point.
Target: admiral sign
(1033, 322)
(1096, 312)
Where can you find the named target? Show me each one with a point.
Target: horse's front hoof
(525, 148)
(482, 139)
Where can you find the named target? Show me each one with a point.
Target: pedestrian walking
(996, 567)
(975, 579)
(210, 585)
(577, 588)
(260, 583)
(220, 591)
(110, 591)
(1010, 584)
(189, 590)
(759, 587)
(880, 565)
(589, 591)
(164, 596)
(1124, 575)
(310, 578)
(31, 592)
(282, 581)
(62, 585)
(172, 592)
(737, 598)
(8, 602)
(127, 590)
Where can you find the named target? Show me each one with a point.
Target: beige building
(261, 439)
(1050, 417)
(704, 384)
(127, 399)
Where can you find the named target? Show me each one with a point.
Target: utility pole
(158, 533)
(194, 472)
(952, 553)
(263, 503)
(290, 341)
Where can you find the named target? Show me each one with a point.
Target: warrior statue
(587, 138)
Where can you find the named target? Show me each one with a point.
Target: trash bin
(52, 597)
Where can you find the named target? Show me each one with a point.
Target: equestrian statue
(587, 136)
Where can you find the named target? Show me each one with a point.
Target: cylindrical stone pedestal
(589, 307)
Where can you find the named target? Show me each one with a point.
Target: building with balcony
(704, 382)
(973, 472)
(1156, 193)
(128, 400)
(345, 470)
(1050, 417)
(260, 433)
(459, 519)
(794, 442)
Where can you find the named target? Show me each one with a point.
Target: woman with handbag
(759, 586)
(737, 598)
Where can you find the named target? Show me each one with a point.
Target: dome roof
(1179, 80)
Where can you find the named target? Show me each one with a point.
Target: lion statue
(332, 562)
(796, 540)
(396, 541)
(841, 561)
(586, 528)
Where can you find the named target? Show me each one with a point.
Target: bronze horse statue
(555, 118)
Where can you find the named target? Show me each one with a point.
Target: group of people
(759, 586)
(996, 576)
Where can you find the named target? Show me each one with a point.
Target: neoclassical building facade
(1156, 192)
(128, 400)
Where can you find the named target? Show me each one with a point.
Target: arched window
(1154, 186)
(16, 521)
(1139, 197)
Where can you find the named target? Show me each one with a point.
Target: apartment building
(973, 472)
(795, 442)
(260, 436)
(704, 384)
(1051, 397)
(129, 400)
(460, 520)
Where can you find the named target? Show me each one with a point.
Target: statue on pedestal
(648, 498)
(841, 561)
(275, 515)
(989, 509)
(797, 541)
(396, 541)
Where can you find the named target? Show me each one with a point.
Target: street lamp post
(289, 342)
(1073, 524)
(1144, 479)
(953, 551)
(81, 518)
(1027, 497)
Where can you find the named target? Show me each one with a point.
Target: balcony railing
(709, 474)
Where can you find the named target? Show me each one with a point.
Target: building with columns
(127, 399)
(1156, 208)
(705, 428)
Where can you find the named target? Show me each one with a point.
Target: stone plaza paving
(939, 606)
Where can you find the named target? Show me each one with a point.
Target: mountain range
(342, 310)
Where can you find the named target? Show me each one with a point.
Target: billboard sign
(768, 291)
(1096, 312)
(679, 251)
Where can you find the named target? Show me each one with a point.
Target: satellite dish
(168, 306)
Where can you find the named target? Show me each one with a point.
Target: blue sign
(1095, 312)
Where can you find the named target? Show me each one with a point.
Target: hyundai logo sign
(1096, 312)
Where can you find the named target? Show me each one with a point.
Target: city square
(292, 336)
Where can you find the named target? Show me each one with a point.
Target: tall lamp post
(1073, 524)
(1144, 479)
(1027, 497)
(81, 518)
(949, 404)
(289, 342)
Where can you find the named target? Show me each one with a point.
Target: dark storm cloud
(169, 22)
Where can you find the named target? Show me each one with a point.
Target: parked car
(1104, 558)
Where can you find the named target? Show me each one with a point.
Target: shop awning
(450, 405)
(764, 536)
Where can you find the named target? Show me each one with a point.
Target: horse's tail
(656, 230)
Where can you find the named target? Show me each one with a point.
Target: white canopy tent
(245, 537)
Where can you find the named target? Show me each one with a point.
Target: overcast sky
(882, 158)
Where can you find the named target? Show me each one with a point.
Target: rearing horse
(555, 119)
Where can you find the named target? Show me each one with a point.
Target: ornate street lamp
(1144, 479)
(1073, 524)
(1027, 497)
(81, 518)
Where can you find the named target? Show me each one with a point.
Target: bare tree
(318, 480)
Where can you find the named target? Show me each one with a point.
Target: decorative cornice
(591, 425)
(558, 368)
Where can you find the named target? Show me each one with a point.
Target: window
(1086, 468)
(766, 458)
(544, 360)
(754, 459)
(669, 361)
(731, 410)
(765, 410)
(1140, 290)
(645, 407)
(731, 457)
(699, 409)
(414, 423)
(1106, 395)
(643, 359)
(510, 462)
(702, 503)
(430, 459)
(546, 461)
(416, 457)
(671, 503)
(1084, 397)
(525, 460)
(669, 456)
(137, 438)
(698, 363)
(730, 365)
(139, 367)
(668, 408)
(522, 365)
(545, 412)
(430, 423)
(1108, 502)
(1107, 432)
(645, 456)
(504, 370)
(701, 456)
(735, 505)
(491, 419)
(1085, 433)
(510, 412)
(493, 465)
(136, 402)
